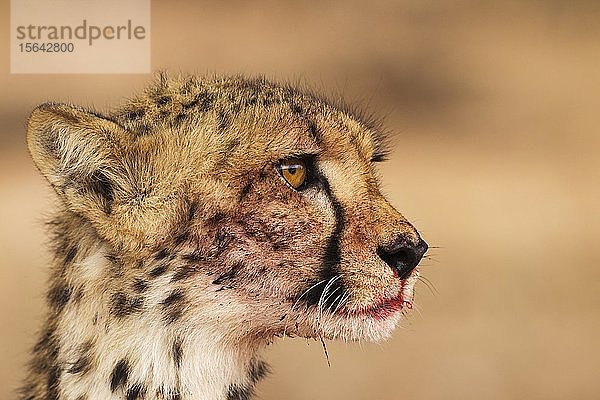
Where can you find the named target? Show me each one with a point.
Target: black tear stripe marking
(332, 257)
(119, 375)
(136, 392)
(237, 392)
(123, 306)
(102, 187)
(173, 306)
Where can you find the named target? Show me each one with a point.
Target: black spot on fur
(123, 306)
(140, 285)
(184, 272)
(161, 254)
(173, 306)
(83, 363)
(182, 237)
(102, 187)
(70, 254)
(77, 295)
(143, 129)
(177, 352)
(163, 100)
(223, 122)
(245, 190)
(119, 375)
(379, 157)
(222, 241)
(136, 114)
(203, 101)
(237, 392)
(194, 257)
(52, 383)
(252, 100)
(49, 142)
(232, 145)
(295, 107)
(216, 218)
(258, 370)
(136, 392)
(315, 134)
(59, 296)
(47, 340)
(158, 271)
(229, 275)
(192, 210)
(179, 119)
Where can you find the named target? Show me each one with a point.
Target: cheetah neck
(87, 353)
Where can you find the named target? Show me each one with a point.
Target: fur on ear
(77, 151)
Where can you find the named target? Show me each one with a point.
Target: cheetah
(201, 220)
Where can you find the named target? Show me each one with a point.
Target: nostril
(403, 257)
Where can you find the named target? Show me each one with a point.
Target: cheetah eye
(293, 170)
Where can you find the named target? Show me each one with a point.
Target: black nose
(403, 256)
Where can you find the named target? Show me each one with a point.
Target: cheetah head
(255, 206)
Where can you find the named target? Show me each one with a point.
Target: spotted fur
(180, 252)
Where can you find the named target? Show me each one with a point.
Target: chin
(373, 324)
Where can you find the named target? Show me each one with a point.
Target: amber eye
(293, 171)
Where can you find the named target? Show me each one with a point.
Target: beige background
(494, 107)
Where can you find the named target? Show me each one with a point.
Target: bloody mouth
(386, 307)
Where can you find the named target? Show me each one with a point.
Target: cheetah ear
(77, 151)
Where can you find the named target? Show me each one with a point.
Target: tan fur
(181, 252)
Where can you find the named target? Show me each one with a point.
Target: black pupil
(292, 169)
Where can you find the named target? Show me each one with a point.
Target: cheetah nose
(403, 256)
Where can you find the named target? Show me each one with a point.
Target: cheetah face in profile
(235, 203)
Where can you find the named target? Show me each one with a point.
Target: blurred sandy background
(495, 109)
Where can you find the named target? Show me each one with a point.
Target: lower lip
(389, 307)
(386, 308)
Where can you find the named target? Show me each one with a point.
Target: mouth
(385, 308)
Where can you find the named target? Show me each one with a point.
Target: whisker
(306, 291)
(429, 284)
(322, 300)
(344, 298)
(325, 350)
